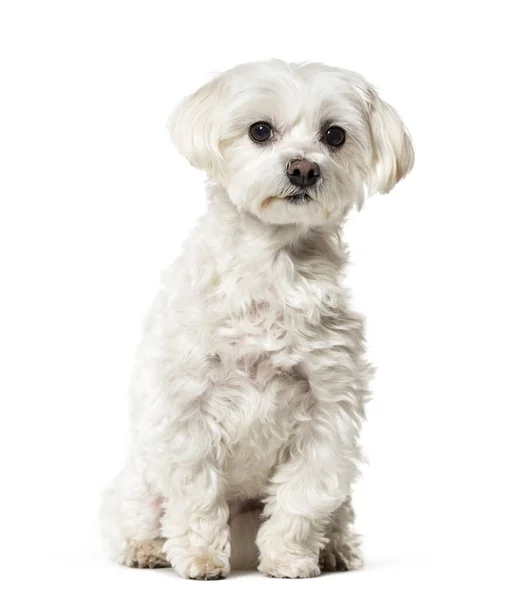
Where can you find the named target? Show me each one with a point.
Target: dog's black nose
(303, 173)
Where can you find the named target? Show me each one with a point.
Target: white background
(95, 202)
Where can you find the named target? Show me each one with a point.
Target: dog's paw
(289, 567)
(341, 555)
(204, 558)
(144, 554)
(206, 566)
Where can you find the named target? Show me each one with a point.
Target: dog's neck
(247, 235)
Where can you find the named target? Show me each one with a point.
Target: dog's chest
(258, 402)
(262, 328)
(268, 311)
(262, 417)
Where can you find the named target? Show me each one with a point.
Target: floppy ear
(193, 127)
(392, 150)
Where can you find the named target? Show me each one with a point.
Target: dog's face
(293, 143)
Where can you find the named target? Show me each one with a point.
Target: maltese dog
(250, 381)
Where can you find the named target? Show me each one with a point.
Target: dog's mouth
(301, 198)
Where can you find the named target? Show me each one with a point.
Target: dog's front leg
(314, 477)
(195, 522)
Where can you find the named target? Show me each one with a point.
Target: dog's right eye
(260, 132)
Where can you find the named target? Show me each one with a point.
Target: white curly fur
(249, 384)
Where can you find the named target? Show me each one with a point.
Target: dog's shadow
(370, 565)
(168, 571)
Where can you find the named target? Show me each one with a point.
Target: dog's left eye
(335, 136)
(260, 132)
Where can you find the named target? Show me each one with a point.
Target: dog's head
(293, 143)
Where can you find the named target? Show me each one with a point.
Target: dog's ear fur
(193, 130)
(392, 150)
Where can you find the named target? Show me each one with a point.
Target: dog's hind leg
(342, 551)
(130, 521)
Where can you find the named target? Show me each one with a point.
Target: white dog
(249, 385)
